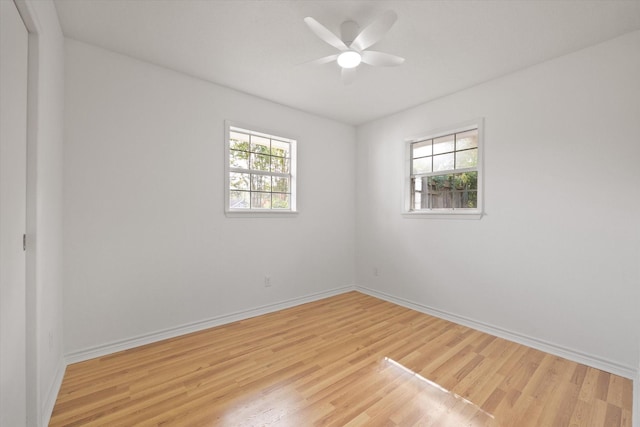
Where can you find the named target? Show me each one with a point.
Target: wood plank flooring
(348, 360)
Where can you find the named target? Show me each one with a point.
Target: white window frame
(230, 212)
(445, 213)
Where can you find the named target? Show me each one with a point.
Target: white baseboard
(538, 344)
(52, 394)
(109, 348)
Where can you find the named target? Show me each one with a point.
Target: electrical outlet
(267, 281)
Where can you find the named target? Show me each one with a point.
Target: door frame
(34, 28)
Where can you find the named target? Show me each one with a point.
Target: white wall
(147, 245)
(556, 257)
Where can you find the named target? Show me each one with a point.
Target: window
(260, 172)
(444, 172)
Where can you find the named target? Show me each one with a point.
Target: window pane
(261, 200)
(260, 183)
(422, 165)
(239, 159)
(279, 164)
(467, 139)
(239, 199)
(239, 181)
(439, 191)
(465, 190)
(465, 199)
(442, 162)
(417, 201)
(238, 141)
(421, 149)
(260, 162)
(467, 159)
(444, 144)
(280, 184)
(280, 201)
(457, 191)
(280, 148)
(260, 145)
(467, 180)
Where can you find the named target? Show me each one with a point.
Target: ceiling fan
(353, 44)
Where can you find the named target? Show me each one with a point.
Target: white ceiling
(260, 46)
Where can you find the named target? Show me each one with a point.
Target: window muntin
(260, 171)
(444, 173)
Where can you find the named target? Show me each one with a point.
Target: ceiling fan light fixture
(349, 59)
(354, 43)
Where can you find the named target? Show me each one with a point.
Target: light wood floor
(347, 360)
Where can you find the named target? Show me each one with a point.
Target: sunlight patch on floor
(444, 407)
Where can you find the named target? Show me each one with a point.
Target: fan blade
(324, 34)
(380, 59)
(348, 75)
(374, 32)
(324, 60)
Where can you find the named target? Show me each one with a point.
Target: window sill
(444, 214)
(259, 214)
